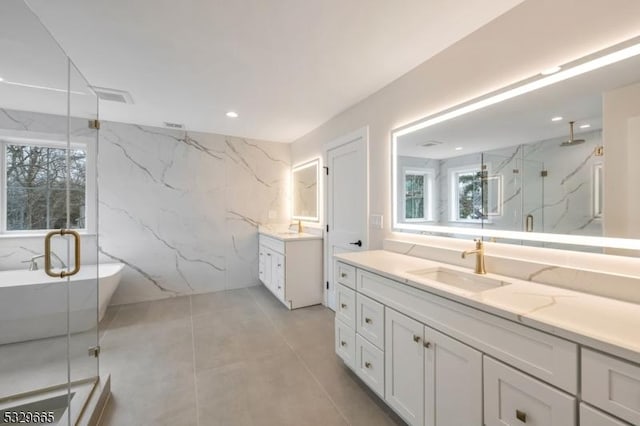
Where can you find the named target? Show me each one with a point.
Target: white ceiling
(285, 66)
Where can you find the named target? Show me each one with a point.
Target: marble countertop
(288, 235)
(602, 323)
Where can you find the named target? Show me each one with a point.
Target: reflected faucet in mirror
(479, 252)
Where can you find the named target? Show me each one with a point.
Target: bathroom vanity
(290, 266)
(444, 346)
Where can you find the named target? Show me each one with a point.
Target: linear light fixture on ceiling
(35, 86)
(568, 72)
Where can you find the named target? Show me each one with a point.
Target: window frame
(454, 207)
(85, 144)
(427, 193)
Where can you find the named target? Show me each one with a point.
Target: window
(418, 195)
(35, 190)
(466, 194)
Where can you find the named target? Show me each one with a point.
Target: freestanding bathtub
(34, 305)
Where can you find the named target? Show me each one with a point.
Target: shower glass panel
(47, 182)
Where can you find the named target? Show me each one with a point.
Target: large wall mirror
(552, 161)
(306, 196)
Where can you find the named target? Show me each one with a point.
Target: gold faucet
(479, 252)
(300, 228)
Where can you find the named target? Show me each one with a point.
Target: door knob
(357, 243)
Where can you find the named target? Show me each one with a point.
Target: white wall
(531, 37)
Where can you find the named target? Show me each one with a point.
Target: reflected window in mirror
(533, 159)
(466, 194)
(418, 195)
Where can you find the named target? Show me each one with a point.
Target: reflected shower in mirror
(529, 159)
(305, 179)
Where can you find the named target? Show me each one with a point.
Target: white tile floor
(230, 358)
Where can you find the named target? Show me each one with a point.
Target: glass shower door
(48, 152)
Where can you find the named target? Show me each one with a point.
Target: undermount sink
(462, 280)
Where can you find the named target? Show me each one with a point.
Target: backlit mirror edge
(302, 166)
(596, 60)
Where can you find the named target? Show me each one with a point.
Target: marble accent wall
(181, 210)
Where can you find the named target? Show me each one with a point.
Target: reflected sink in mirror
(463, 280)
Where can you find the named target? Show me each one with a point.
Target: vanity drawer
(589, 416)
(345, 343)
(346, 275)
(542, 355)
(513, 398)
(370, 365)
(370, 320)
(346, 306)
(272, 243)
(611, 384)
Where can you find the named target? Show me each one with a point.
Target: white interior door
(347, 201)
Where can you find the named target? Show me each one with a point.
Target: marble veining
(180, 209)
(602, 323)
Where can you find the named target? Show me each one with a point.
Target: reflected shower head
(571, 140)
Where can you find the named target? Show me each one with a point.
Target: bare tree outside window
(36, 187)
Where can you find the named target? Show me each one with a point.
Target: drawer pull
(343, 305)
(269, 254)
(343, 275)
(416, 338)
(343, 343)
(367, 364)
(427, 344)
(521, 415)
(368, 320)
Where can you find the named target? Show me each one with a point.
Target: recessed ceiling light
(551, 70)
(458, 148)
(1, 79)
(585, 126)
(232, 114)
(558, 118)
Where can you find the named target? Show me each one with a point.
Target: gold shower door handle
(47, 253)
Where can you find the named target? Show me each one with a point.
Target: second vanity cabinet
(291, 268)
(437, 362)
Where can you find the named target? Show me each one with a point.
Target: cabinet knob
(343, 343)
(368, 320)
(367, 364)
(427, 344)
(343, 275)
(268, 254)
(521, 415)
(343, 305)
(279, 265)
(416, 338)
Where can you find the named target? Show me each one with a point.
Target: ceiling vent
(173, 125)
(428, 144)
(113, 95)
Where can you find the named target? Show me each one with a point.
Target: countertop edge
(557, 330)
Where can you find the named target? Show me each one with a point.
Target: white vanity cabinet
(438, 362)
(291, 268)
(404, 366)
(452, 381)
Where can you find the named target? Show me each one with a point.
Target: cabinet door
(268, 269)
(261, 263)
(278, 275)
(404, 366)
(452, 381)
(345, 343)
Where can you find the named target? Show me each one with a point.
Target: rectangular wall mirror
(530, 163)
(306, 195)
